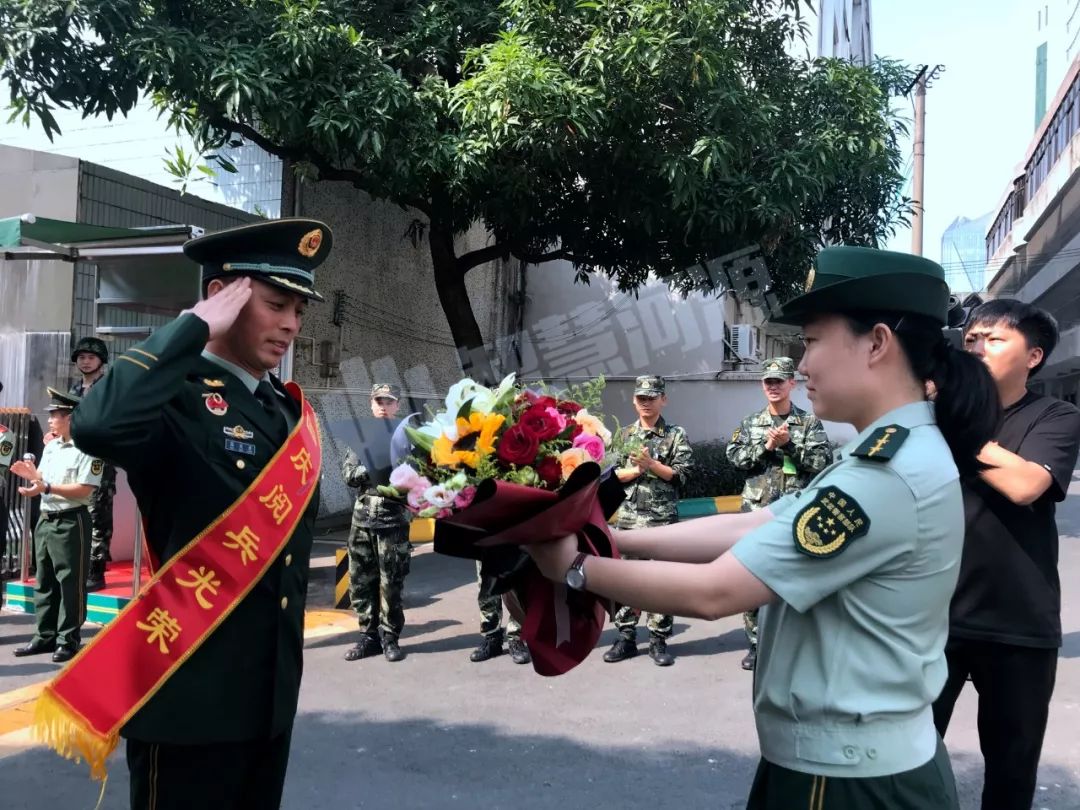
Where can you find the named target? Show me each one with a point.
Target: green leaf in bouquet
(420, 440)
(390, 492)
(465, 409)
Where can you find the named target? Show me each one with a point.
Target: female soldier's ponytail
(966, 401)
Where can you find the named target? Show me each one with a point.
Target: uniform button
(849, 750)
(284, 602)
(872, 753)
(288, 559)
(240, 464)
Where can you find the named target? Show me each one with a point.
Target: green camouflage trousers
(378, 564)
(749, 620)
(101, 516)
(491, 611)
(626, 620)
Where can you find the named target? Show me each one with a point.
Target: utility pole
(922, 81)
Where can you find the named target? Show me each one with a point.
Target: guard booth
(141, 281)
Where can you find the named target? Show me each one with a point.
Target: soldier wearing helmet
(90, 357)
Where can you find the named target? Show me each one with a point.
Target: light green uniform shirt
(851, 659)
(63, 463)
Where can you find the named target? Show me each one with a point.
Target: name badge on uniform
(240, 447)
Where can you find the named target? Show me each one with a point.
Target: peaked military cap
(61, 401)
(855, 279)
(778, 368)
(91, 345)
(385, 390)
(649, 385)
(280, 252)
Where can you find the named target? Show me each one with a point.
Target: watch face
(575, 578)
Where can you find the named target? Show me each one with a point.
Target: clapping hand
(25, 469)
(777, 437)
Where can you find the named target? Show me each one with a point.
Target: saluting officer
(90, 356)
(781, 447)
(194, 416)
(65, 481)
(856, 571)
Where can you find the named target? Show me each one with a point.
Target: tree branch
(481, 256)
(326, 170)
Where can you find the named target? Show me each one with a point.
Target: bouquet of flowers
(515, 434)
(504, 467)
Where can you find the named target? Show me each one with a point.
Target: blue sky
(979, 113)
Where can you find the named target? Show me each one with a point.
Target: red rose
(568, 408)
(537, 399)
(518, 446)
(540, 423)
(550, 471)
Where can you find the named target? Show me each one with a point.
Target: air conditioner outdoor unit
(744, 341)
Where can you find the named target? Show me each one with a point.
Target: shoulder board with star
(882, 444)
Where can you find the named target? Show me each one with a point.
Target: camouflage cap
(61, 401)
(778, 368)
(649, 385)
(386, 390)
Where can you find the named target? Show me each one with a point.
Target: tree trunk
(454, 297)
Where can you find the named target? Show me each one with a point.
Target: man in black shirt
(1005, 617)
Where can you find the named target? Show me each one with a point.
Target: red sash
(80, 713)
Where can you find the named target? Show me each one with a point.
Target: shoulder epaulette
(882, 444)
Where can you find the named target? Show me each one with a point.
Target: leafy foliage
(713, 474)
(630, 137)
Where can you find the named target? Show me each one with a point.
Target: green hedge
(713, 475)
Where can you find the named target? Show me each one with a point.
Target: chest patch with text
(829, 523)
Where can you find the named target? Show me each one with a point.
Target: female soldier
(855, 572)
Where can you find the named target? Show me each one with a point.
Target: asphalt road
(437, 731)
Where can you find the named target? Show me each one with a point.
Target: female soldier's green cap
(857, 279)
(281, 252)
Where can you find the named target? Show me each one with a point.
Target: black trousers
(216, 776)
(1014, 685)
(929, 787)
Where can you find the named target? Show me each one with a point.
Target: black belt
(62, 513)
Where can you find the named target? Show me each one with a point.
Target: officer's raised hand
(222, 305)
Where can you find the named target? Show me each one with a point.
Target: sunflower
(475, 440)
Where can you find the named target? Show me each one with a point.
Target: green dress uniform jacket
(808, 453)
(864, 562)
(155, 414)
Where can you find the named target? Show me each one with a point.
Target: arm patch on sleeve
(827, 525)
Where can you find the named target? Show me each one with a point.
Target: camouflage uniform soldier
(491, 611)
(782, 447)
(90, 356)
(651, 475)
(379, 550)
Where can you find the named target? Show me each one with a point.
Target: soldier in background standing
(651, 476)
(491, 612)
(782, 447)
(90, 356)
(379, 547)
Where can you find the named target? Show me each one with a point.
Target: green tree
(629, 137)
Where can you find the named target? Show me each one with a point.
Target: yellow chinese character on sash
(246, 541)
(162, 628)
(201, 581)
(278, 503)
(302, 462)
(313, 426)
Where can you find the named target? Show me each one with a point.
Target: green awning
(34, 237)
(14, 230)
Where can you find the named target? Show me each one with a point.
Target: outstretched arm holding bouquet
(855, 572)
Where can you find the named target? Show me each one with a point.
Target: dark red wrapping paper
(560, 625)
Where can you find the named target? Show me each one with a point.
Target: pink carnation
(415, 498)
(593, 445)
(444, 513)
(405, 478)
(465, 497)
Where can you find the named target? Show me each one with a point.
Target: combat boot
(658, 651)
(95, 579)
(750, 659)
(390, 648)
(366, 647)
(623, 648)
(490, 647)
(519, 653)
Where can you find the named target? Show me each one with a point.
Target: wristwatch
(575, 574)
(48, 486)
